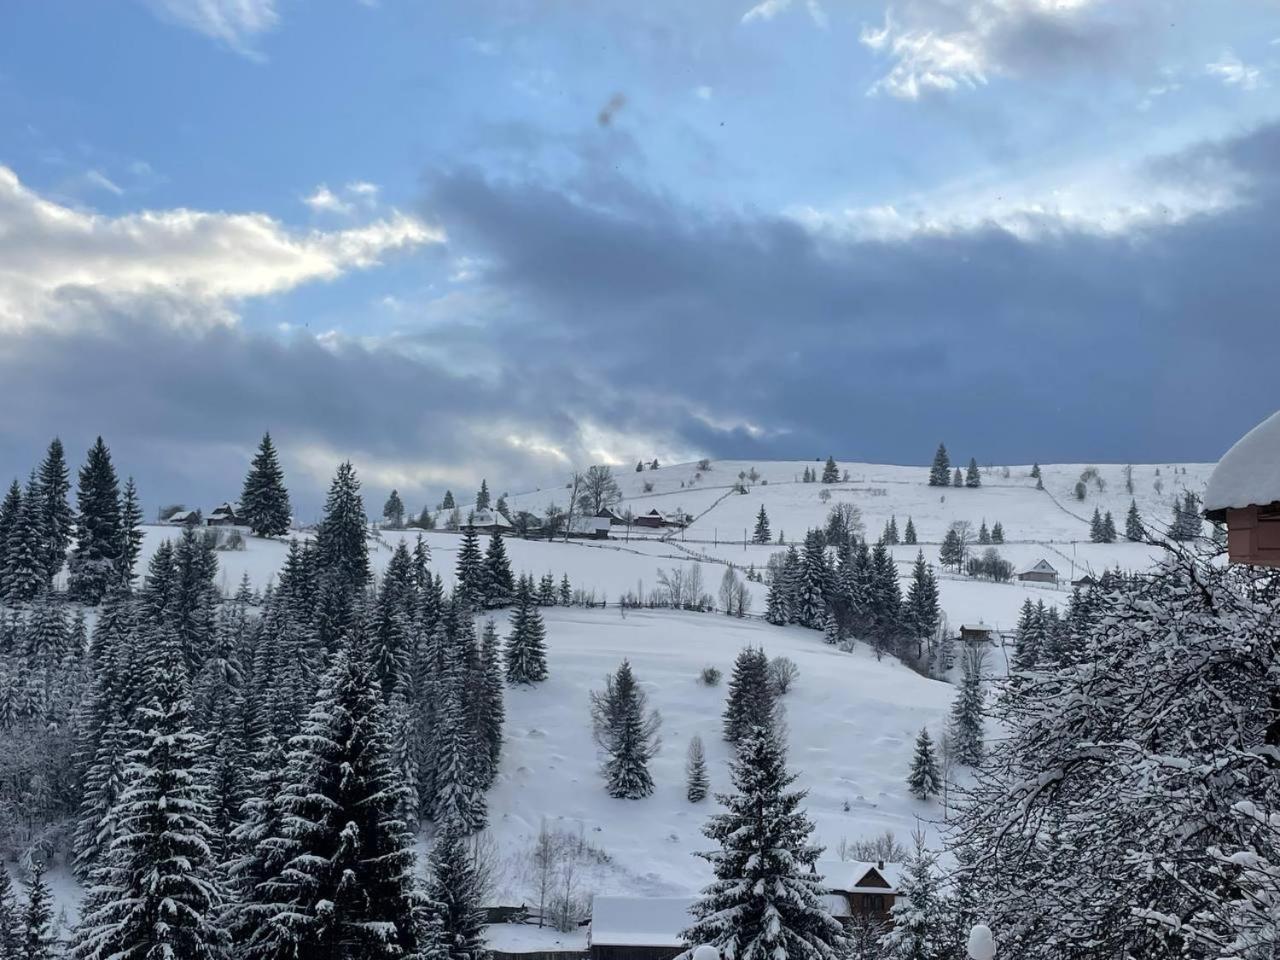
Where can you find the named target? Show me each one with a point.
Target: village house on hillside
(656, 518)
(1244, 493)
(590, 528)
(486, 521)
(858, 888)
(225, 514)
(1042, 571)
(613, 516)
(976, 632)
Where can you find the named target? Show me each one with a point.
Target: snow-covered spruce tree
(346, 889)
(919, 915)
(157, 891)
(940, 472)
(627, 733)
(1108, 528)
(56, 517)
(922, 612)
(966, 722)
(997, 532)
(810, 604)
(258, 848)
(391, 631)
(95, 559)
(957, 479)
(1096, 532)
(984, 534)
(470, 572)
(393, 511)
(25, 553)
(750, 703)
(1133, 528)
(35, 921)
(972, 478)
(454, 919)
(761, 533)
(342, 552)
(924, 780)
(566, 592)
(890, 536)
(459, 755)
(696, 783)
(909, 534)
(830, 472)
(1100, 823)
(482, 496)
(498, 582)
(775, 611)
(9, 919)
(10, 507)
(951, 553)
(492, 711)
(765, 902)
(130, 533)
(526, 651)
(264, 501)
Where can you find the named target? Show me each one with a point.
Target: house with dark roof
(1042, 571)
(858, 888)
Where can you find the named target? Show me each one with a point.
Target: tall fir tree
(1097, 533)
(526, 650)
(57, 519)
(264, 500)
(454, 927)
(830, 472)
(909, 534)
(95, 559)
(491, 696)
(25, 552)
(498, 582)
(765, 902)
(626, 732)
(482, 496)
(130, 533)
(393, 511)
(940, 472)
(984, 534)
(10, 510)
(10, 920)
(258, 847)
(997, 532)
(750, 703)
(469, 574)
(966, 721)
(923, 612)
(36, 939)
(957, 479)
(925, 779)
(342, 550)
(459, 792)
(1133, 528)
(972, 478)
(761, 533)
(919, 930)
(696, 782)
(1108, 528)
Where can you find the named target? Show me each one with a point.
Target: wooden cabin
(976, 632)
(1244, 493)
(638, 928)
(183, 518)
(857, 888)
(613, 516)
(590, 528)
(1085, 580)
(225, 514)
(1042, 571)
(487, 521)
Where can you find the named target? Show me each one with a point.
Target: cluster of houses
(225, 514)
(596, 527)
(1042, 571)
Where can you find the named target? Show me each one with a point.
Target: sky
(507, 238)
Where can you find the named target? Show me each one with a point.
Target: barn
(1244, 493)
(225, 514)
(859, 888)
(976, 632)
(638, 928)
(1042, 571)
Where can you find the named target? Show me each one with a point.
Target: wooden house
(656, 518)
(1042, 571)
(1244, 493)
(638, 928)
(613, 516)
(486, 521)
(1085, 580)
(183, 518)
(976, 632)
(857, 888)
(225, 514)
(590, 528)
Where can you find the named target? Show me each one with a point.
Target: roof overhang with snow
(1248, 475)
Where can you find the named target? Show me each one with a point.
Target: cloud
(324, 200)
(100, 180)
(766, 10)
(1235, 73)
(52, 256)
(236, 23)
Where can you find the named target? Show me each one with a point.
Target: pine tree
(1133, 528)
(1035, 470)
(966, 724)
(984, 535)
(130, 532)
(345, 888)
(765, 902)
(750, 701)
(25, 551)
(10, 509)
(971, 476)
(447, 503)
(925, 780)
(566, 593)
(810, 605)
(951, 554)
(56, 517)
(696, 782)
(957, 479)
(455, 920)
(482, 497)
(776, 603)
(1096, 532)
(940, 472)
(459, 796)
(342, 551)
(35, 922)
(830, 472)
(157, 891)
(919, 929)
(1108, 528)
(492, 712)
(627, 732)
(10, 920)
(498, 582)
(761, 534)
(96, 556)
(393, 511)
(909, 535)
(890, 535)
(526, 653)
(258, 850)
(922, 610)
(997, 532)
(264, 501)
(470, 578)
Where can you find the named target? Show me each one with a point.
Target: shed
(860, 887)
(976, 632)
(590, 528)
(1244, 493)
(224, 514)
(183, 517)
(1042, 571)
(639, 928)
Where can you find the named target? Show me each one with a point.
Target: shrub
(783, 674)
(710, 677)
(704, 464)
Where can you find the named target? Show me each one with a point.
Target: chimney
(879, 864)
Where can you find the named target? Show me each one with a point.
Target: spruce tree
(997, 532)
(922, 609)
(56, 517)
(696, 782)
(1108, 528)
(459, 791)
(498, 583)
(919, 929)
(492, 713)
(1133, 529)
(909, 535)
(454, 927)
(264, 501)
(469, 574)
(130, 532)
(447, 503)
(765, 902)
(966, 723)
(10, 919)
(761, 534)
(971, 476)
(627, 732)
(940, 472)
(830, 472)
(157, 891)
(957, 479)
(345, 888)
(925, 780)
(526, 653)
(482, 496)
(25, 551)
(890, 535)
(10, 509)
(1035, 470)
(393, 511)
(35, 922)
(258, 850)
(95, 560)
(750, 703)
(984, 535)
(342, 551)
(566, 593)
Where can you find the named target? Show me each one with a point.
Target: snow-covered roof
(640, 921)
(488, 518)
(182, 516)
(977, 627)
(1040, 566)
(589, 524)
(1249, 473)
(847, 875)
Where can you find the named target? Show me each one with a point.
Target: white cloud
(233, 22)
(200, 263)
(1233, 72)
(362, 188)
(766, 10)
(99, 179)
(324, 200)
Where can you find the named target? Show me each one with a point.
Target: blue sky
(502, 238)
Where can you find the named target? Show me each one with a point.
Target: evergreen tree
(10, 920)
(498, 582)
(971, 476)
(957, 479)
(890, 535)
(393, 511)
(923, 610)
(765, 902)
(830, 472)
(501, 507)
(775, 603)
(750, 703)
(258, 850)
(1108, 528)
(95, 560)
(470, 577)
(940, 472)
(1133, 529)
(10, 509)
(447, 503)
(25, 551)
(696, 782)
(345, 888)
(1096, 532)
(951, 554)
(966, 724)
(1035, 470)
(566, 594)
(919, 929)
(342, 551)
(984, 535)
(35, 932)
(909, 535)
(627, 731)
(1029, 635)
(810, 603)
(526, 653)
(997, 532)
(459, 796)
(761, 534)
(56, 517)
(925, 780)
(264, 501)
(492, 713)
(157, 891)
(455, 919)
(482, 497)
(130, 532)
